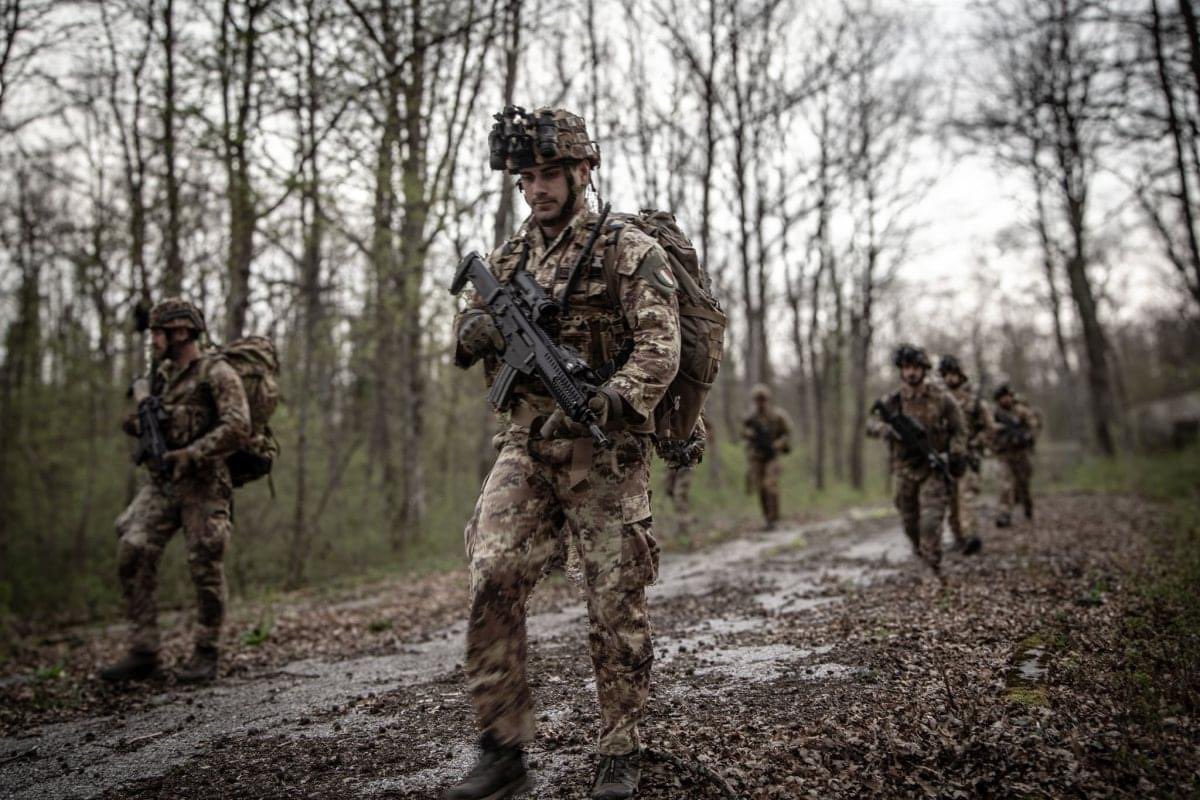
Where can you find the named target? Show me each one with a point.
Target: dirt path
(814, 661)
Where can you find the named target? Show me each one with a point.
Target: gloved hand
(478, 334)
(181, 461)
(606, 404)
(958, 464)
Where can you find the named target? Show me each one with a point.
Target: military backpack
(701, 321)
(255, 361)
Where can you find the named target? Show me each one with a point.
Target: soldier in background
(964, 495)
(550, 477)
(205, 419)
(767, 433)
(921, 495)
(1017, 426)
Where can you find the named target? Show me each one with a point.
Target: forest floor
(818, 660)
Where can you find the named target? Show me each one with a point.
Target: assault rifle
(1012, 434)
(522, 311)
(914, 439)
(152, 445)
(761, 439)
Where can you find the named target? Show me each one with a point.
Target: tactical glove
(181, 461)
(606, 404)
(478, 334)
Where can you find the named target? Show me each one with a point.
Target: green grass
(1160, 668)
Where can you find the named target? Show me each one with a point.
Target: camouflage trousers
(1018, 475)
(921, 500)
(964, 497)
(202, 507)
(678, 486)
(764, 477)
(602, 496)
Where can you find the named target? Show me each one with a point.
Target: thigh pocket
(639, 550)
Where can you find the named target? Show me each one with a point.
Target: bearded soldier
(965, 492)
(204, 419)
(921, 494)
(1016, 430)
(625, 324)
(767, 433)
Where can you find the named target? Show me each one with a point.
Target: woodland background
(313, 169)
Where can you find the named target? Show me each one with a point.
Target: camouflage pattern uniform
(764, 467)
(207, 413)
(1017, 460)
(538, 484)
(920, 496)
(977, 414)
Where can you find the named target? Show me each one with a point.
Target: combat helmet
(911, 354)
(522, 139)
(760, 392)
(949, 364)
(1002, 390)
(175, 312)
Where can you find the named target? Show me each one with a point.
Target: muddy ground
(815, 661)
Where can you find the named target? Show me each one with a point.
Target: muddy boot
(1003, 520)
(200, 668)
(137, 665)
(1029, 510)
(972, 546)
(499, 772)
(617, 777)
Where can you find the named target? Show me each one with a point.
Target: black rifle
(522, 311)
(152, 445)
(1013, 435)
(761, 440)
(914, 439)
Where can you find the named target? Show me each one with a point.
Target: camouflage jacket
(937, 412)
(206, 409)
(644, 323)
(1016, 430)
(976, 413)
(773, 426)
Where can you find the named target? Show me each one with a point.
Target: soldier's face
(953, 379)
(912, 374)
(548, 192)
(158, 341)
(1006, 402)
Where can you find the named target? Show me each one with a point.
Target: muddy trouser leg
(207, 526)
(512, 533)
(933, 498)
(1022, 476)
(612, 525)
(967, 499)
(906, 498)
(144, 529)
(1009, 496)
(756, 481)
(955, 517)
(772, 474)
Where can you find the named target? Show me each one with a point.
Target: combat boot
(200, 668)
(617, 777)
(137, 665)
(499, 772)
(972, 546)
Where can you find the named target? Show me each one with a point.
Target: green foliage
(260, 633)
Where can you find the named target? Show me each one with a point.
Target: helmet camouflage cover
(950, 364)
(175, 312)
(521, 139)
(911, 354)
(761, 390)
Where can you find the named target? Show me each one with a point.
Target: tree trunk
(172, 279)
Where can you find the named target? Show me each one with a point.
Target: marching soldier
(921, 495)
(964, 494)
(205, 419)
(767, 433)
(1016, 430)
(549, 472)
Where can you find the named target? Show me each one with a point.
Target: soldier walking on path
(767, 433)
(550, 472)
(1016, 431)
(204, 418)
(964, 494)
(921, 494)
